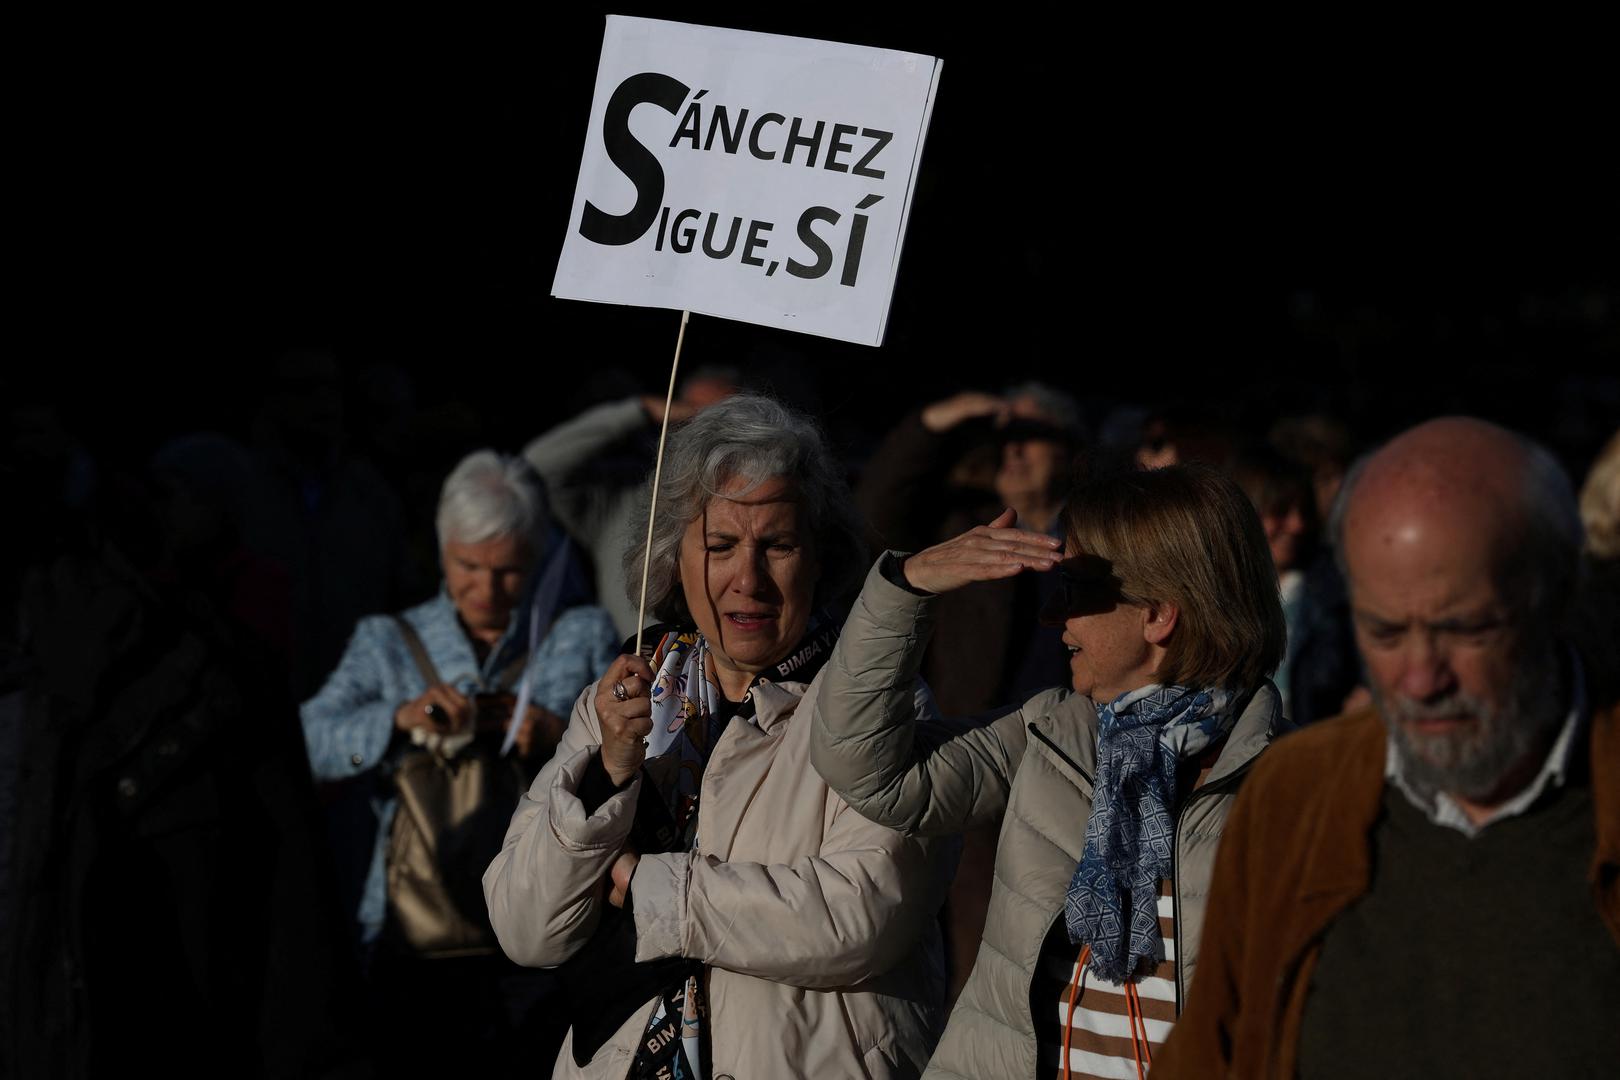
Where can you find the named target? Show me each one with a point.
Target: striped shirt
(1100, 1042)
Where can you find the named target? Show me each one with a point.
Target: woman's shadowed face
(748, 572)
(1109, 652)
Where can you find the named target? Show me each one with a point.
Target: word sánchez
(841, 143)
(767, 136)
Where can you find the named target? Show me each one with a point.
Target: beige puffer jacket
(819, 926)
(1031, 769)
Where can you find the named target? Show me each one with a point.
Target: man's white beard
(1472, 762)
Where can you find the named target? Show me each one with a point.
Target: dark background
(1254, 216)
(1262, 217)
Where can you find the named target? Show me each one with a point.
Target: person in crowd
(1431, 886)
(325, 515)
(1319, 669)
(166, 904)
(1598, 636)
(594, 467)
(1112, 792)
(1183, 432)
(929, 480)
(810, 930)
(201, 480)
(1322, 446)
(916, 491)
(446, 676)
(1600, 502)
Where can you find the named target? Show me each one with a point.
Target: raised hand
(679, 411)
(985, 553)
(942, 416)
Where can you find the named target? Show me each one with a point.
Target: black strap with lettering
(662, 1052)
(602, 983)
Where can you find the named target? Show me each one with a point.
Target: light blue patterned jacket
(349, 723)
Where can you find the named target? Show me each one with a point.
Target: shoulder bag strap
(419, 653)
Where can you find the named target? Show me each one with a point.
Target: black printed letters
(760, 134)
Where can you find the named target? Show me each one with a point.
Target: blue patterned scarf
(1113, 901)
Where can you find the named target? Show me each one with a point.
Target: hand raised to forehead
(983, 553)
(942, 416)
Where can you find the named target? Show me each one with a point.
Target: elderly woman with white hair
(774, 932)
(445, 678)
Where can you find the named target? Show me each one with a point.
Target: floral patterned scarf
(687, 711)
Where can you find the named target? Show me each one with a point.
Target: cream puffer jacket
(1032, 770)
(820, 927)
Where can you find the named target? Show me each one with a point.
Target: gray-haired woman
(796, 937)
(436, 675)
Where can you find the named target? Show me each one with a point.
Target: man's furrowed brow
(1376, 621)
(1484, 620)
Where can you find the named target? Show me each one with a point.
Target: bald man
(1430, 887)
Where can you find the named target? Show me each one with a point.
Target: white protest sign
(750, 176)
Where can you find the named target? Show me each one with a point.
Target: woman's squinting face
(749, 574)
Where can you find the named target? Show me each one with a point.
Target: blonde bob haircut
(1187, 535)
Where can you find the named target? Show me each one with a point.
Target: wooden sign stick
(658, 472)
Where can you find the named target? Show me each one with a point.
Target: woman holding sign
(1110, 797)
(773, 931)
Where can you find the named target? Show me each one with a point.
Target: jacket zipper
(1175, 865)
(1067, 760)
